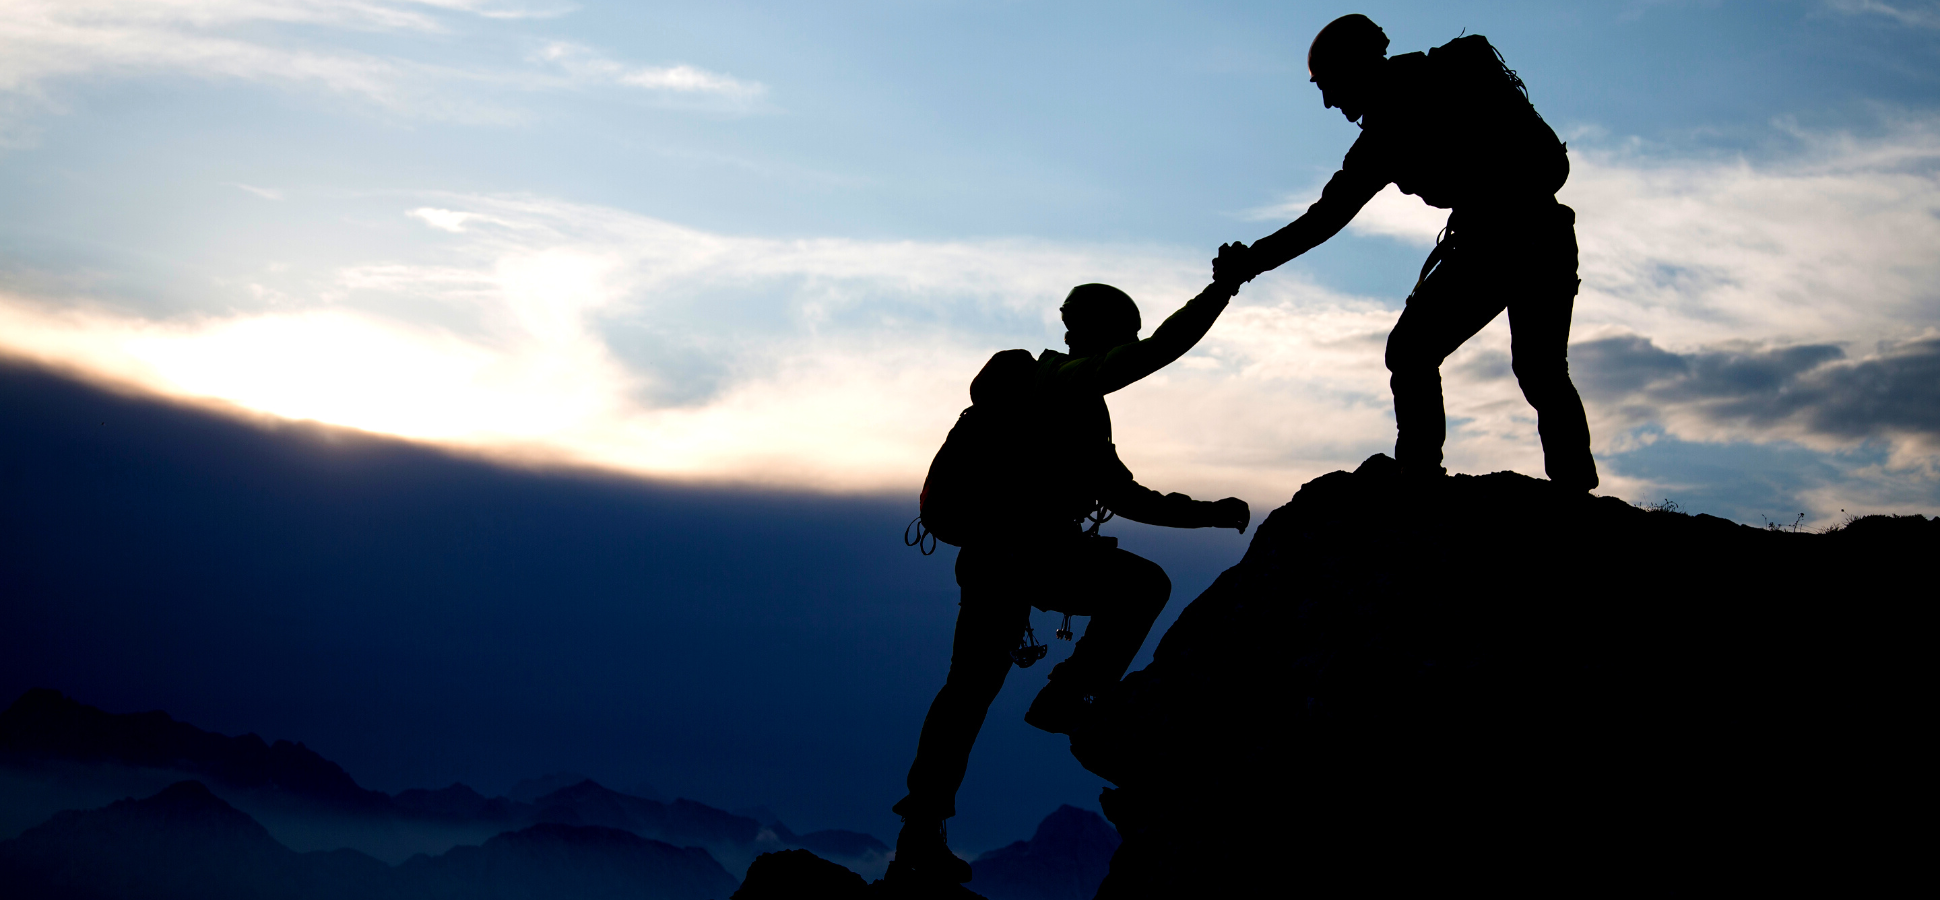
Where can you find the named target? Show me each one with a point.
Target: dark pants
(1123, 594)
(1528, 266)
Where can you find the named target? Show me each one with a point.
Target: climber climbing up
(1027, 465)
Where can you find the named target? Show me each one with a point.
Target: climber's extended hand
(1234, 265)
(1233, 513)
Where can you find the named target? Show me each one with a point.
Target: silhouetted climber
(1025, 466)
(1453, 126)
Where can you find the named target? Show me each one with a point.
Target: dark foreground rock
(789, 874)
(1492, 685)
(1065, 860)
(798, 873)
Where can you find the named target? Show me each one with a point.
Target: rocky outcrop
(788, 874)
(1064, 860)
(1487, 684)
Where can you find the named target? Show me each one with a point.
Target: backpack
(1498, 114)
(985, 459)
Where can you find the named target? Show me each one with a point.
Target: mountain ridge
(186, 842)
(289, 782)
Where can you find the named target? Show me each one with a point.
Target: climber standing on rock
(1024, 468)
(1453, 126)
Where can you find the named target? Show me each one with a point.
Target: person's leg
(1540, 306)
(1446, 309)
(987, 629)
(1123, 593)
(990, 621)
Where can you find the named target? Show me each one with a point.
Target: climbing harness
(1099, 515)
(923, 539)
(1028, 651)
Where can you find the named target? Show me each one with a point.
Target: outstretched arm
(1142, 504)
(1123, 495)
(1340, 201)
(1127, 363)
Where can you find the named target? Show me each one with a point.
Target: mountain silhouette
(1489, 683)
(530, 789)
(554, 860)
(45, 724)
(54, 742)
(461, 802)
(185, 842)
(684, 821)
(1065, 860)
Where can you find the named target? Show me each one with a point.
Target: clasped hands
(1234, 265)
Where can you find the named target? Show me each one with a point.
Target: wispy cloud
(263, 192)
(1915, 14)
(1723, 301)
(298, 44)
(584, 64)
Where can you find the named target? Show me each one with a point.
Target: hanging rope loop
(918, 536)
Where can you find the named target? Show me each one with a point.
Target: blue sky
(748, 243)
(740, 246)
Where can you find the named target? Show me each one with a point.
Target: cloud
(265, 193)
(841, 363)
(1390, 214)
(304, 44)
(1724, 303)
(586, 65)
(1800, 392)
(1917, 15)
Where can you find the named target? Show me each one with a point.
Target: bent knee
(1154, 586)
(1144, 581)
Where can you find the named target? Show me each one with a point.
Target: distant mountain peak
(529, 790)
(47, 724)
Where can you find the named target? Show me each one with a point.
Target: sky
(750, 244)
(759, 249)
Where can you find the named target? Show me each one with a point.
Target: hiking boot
(1422, 475)
(1577, 482)
(1058, 708)
(923, 854)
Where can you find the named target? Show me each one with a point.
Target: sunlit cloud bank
(1723, 302)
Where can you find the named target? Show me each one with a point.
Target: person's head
(1345, 63)
(1098, 317)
